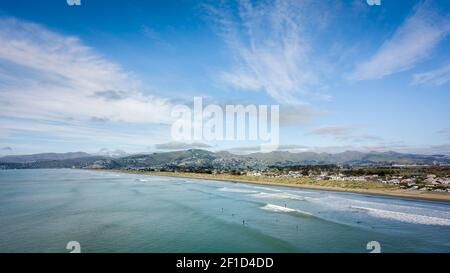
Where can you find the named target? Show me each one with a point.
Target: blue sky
(106, 74)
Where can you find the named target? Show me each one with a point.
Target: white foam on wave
(276, 208)
(264, 188)
(237, 190)
(405, 217)
(281, 195)
(141, 180)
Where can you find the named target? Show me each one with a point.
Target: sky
(107, 74)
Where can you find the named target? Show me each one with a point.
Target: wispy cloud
(410, 44)
(181, 145)
(332, 130)
(297, 115)
(375, 147)
(52, 76)
(344, 133)
(386, 147)
(73, 132)
(152, 35)
(271, 48)
(6, 151)
(436, 77)
(404, 148)
(111, 95)
(361, 138)
(444, 131)
(257, 149)
(55, 90)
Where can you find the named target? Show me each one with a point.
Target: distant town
(351, 169)
(423, 178)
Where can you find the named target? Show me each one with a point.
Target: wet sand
(393, 192)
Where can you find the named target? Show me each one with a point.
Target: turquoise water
(42, 210)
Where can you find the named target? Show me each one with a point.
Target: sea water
(43, 210)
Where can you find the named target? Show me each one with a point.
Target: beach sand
(377, 188)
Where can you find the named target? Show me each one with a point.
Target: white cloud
(296, 115)
(439, 76)
(293, 148)
(174, 145)
(444, 131)
(242, 80)
(410, 44)
(332, 130)
(52, 76)
(271, 49)
(344, 133)
(415, 149)
(374, 147)
(73, 132)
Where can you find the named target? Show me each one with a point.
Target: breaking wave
(265, 188)
(237, 190)
(281, 195)
(405, 217)
(276, 208)
(142, 180)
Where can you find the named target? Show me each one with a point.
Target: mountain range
(196, 158)
(42, 157)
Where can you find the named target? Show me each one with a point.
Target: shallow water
(42, 210)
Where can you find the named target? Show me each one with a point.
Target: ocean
(43, 210)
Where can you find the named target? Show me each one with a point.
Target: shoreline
(399, 193)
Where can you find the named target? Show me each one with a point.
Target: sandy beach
(382, 189)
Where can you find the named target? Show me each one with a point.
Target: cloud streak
(271, 49)
(410, 44)
(332, 130)
(71, 80)
(437, 77)
(181, 146)
(344, 133)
